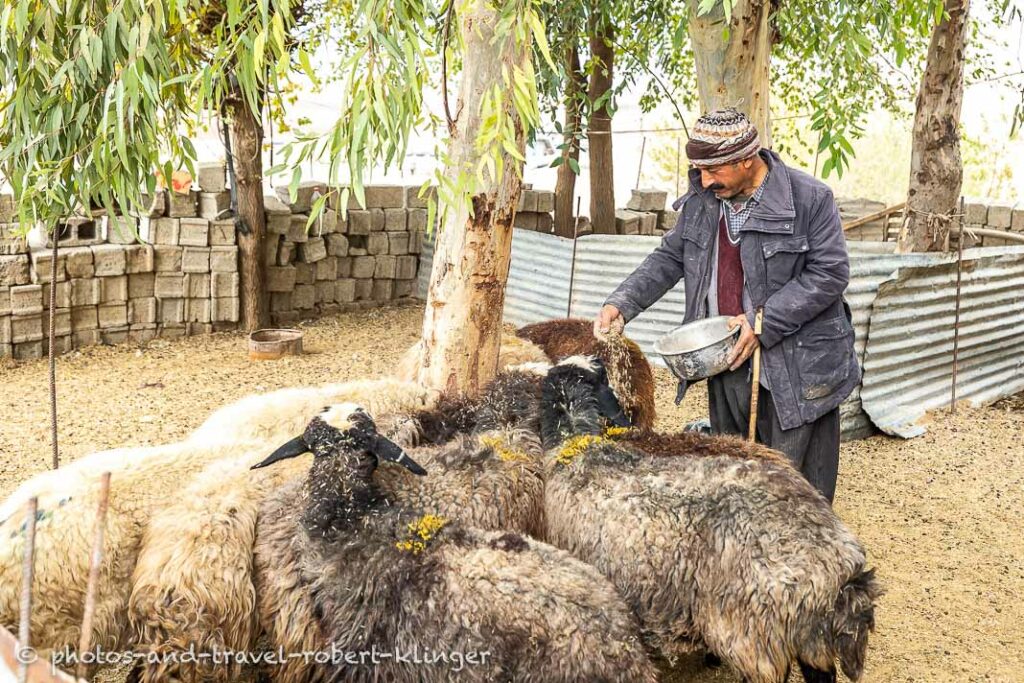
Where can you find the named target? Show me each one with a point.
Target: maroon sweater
(730, 273)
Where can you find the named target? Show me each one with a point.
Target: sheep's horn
(293, 448)
(388, 450)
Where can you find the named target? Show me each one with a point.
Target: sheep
(514, 350)
(628, 369)
(343, 568)
(144, 479)
(716, 544)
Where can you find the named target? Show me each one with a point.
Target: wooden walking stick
(755, 382)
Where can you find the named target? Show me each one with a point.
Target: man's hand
(745, 345)
(608, 319)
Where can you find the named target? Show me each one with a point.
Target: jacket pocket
(823, 350)
(781, 258)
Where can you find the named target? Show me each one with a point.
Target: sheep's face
(577, 399)
(344, 429)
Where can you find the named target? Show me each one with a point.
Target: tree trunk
(247, 156)
(462, 325)
(565, 185)
(734, 72)
(599, 138)
(936, 169)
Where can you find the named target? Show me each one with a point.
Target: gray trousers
(813, 448)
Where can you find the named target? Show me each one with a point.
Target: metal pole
(641, 164)
(85, 639)
(572, 264)
(24, 641)
(678, 152)
(53, 350)
(956, 315)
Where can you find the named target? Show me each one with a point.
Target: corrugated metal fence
(538, 289)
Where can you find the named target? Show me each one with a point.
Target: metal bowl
(274, 344)
(699, 349)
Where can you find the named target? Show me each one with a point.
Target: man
(754, 234)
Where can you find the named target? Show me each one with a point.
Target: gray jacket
(796, 266)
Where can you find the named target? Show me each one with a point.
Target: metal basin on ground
(274, 344)
(699, 349)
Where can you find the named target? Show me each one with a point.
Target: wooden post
(85, 639)
(24, 627)
(755, 382)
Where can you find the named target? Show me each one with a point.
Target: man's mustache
(714, 187)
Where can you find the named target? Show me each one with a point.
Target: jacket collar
(776, 202)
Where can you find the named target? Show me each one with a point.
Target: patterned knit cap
(721, 137)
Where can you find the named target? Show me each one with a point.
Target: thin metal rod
(572, 264)
(679, 144)
(53, 350)
(24, 626)
(956, 314)
(85, 639)
(640, 166)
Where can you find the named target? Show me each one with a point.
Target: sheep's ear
(611, 409)
(293, 448)
(386, 449)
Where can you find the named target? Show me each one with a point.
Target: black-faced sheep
(628, 370)
(342, 568)
(713, 542)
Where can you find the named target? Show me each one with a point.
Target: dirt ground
(941, 515)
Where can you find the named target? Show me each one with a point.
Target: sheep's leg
(812, 675)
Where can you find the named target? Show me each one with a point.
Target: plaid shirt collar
(737, 215)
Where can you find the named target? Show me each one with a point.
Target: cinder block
(527, 201)
(325, 292)
(154, 205)
(61, 323)
(14, 270)
(197, 310)
(63, 294)
(642, 200)
(305, 194)
(345, 290)
(377, 243)
(327, 223)
(667, 220)
(114, 335)
(29, 350)
(141, 334)
(1017, 219)
(304, 274)
(1000, 215)
(285, 253)
(405, 267)
(376, 220)
(313, 250)
(6, 350)
(212, 177)
(8, 210)
(344, 266)
(40, 272)
(139, 258)
(404, 288)
(109, 259)
(171, 311)
(85, 338)
(222, 233)
(546, 201)
(85, 292)
(385, 268)
(363, 266)
(415, 242)
(279, 223)
(26, 327)
(196, 260)
(627, 222)
(413, 199)
(383, 290)
(298, 230)
(171, 330)
(142, 311)
(385, 196)
(225, 309)
(337, 245)
(182, 204)
(84, 318)
(197, 285)
(224, 259)
(121, 229)
(395, 220)
(61, 344)
(165, 231)
(648, 222)
(417, 220)
(114, 290)
(213, 205)
(169, 286)
(281, 279)
(271, 249)
(273, 205)
(12, 244)
(304, 297)
(975, 212)
(223, 285)
(78, 262)
(141, 285)
(167, 259)
(526, 220)
(76, 231)
(359, 222)
(398, 243)
(195, 232)
(26, 299)
(364, 289)
(5, 333)
(326, 269)
(112, 315)
(280, 302)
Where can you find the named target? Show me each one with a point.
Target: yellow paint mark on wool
(422, 531)
(616, 431)
(576, 446)
(497, 444)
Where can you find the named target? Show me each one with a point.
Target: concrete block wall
(645, 214)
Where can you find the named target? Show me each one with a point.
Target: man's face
(727, 180)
